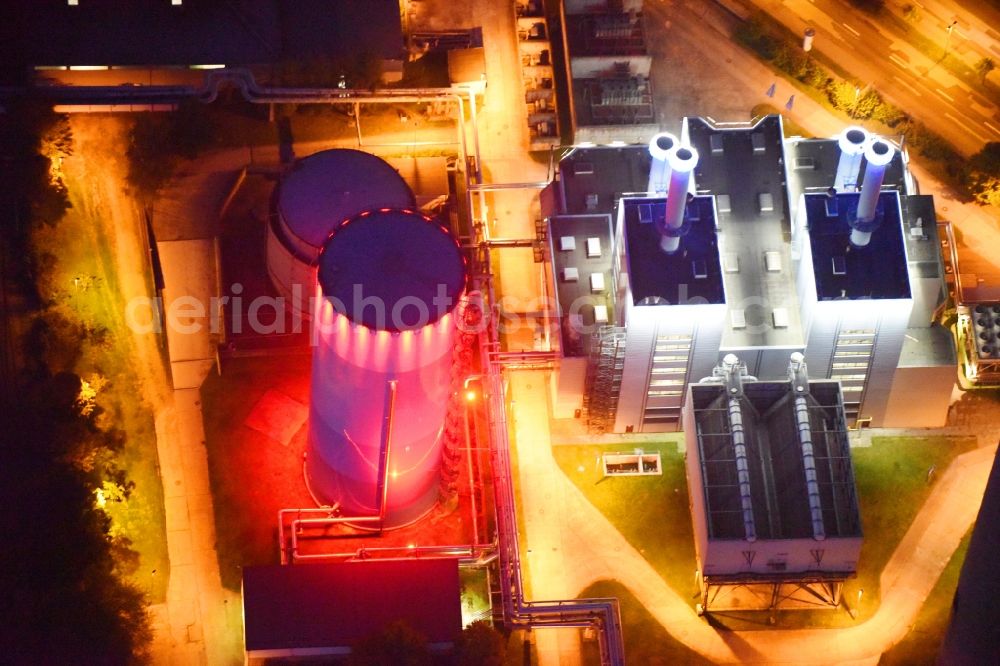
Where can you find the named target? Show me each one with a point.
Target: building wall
(729, 557)
(597, 67)
(877, 327)
(587, 6)
(697, 326)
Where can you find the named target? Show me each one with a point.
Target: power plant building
(755, 250)
(390, 281)
(773, 497)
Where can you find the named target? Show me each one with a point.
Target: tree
(984, 67)
(983, 175)
(398, 644)
(480, 645)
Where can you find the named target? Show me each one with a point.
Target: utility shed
(315, 610)
(773, 498)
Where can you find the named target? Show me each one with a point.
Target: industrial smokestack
(682, 160)
(878, 154)
(659, 169)
(852, 142)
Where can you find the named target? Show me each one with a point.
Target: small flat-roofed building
(773, 498)
(607, 67)
(143, 41)
(574, 267)
(322, 610)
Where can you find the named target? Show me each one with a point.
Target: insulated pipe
(731, 364)
(683, 160)
(852, 142)
(659, 168)
(800, 382)
(878, 154)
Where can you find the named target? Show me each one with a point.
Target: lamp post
(947, 39)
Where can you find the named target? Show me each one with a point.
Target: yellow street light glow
(470, 395)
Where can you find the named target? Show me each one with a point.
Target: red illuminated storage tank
(389, 284)
(314, 196)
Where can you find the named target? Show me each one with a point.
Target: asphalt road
(901, 73)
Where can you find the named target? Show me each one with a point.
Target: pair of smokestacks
(670, 174)
(855, 143)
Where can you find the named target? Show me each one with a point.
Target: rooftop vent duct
(682, 160)
(660, 147)
(878, 154)
(800, 381)
(852, 142)
(733, 373)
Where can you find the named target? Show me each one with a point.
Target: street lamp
(947, 39)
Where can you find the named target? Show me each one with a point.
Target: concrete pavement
(572, 541)
(901, 73)
(201, 622)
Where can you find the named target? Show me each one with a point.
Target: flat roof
(692, 274)
(842, 271)
(392, 269)
(334, 606)
(743, 166)
(777, 475)
(576, 296)
(812, 166)
(626, 99)
(594, 178)
(198, 32)
(605, 34)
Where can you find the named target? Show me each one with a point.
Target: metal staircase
(604, 378)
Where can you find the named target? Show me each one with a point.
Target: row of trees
(976, 180)
(62, 568)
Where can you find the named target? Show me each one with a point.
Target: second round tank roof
(327, 187)
(392, 269)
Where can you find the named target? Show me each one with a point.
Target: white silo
(315, 195)
(389, 283)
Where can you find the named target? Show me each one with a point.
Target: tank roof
(407, 269)
(327, 187)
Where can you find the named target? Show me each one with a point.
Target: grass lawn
(651, 512)
(921, 644)
(892, 484)
(84, 285)
(646, 641)
(891, 477)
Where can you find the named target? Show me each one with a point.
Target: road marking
(856, 33)
(966, 127)
(991, 127)
(907, 85)
(944, 94)
(896, 60)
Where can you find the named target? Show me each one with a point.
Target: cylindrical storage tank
(317, 194)
(389, 283)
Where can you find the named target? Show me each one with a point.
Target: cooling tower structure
(315, 195)
(389, 284)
